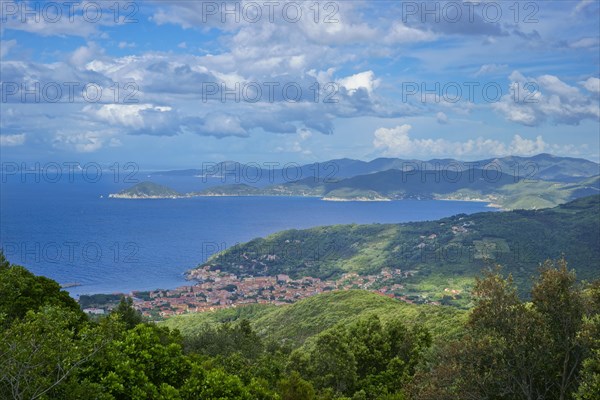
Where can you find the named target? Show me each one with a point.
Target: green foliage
(366, 358)
(148, 190)
(589, 388)
(339, 345)
(518, 350)
(43, 350)
(98, 300)
(21, 291)
(4, 263)
(293, 324)
(127, 313)
(225, 340)
(296, 388)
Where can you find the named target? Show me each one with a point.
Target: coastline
(135, 197)
(491, 203)
(364, 199)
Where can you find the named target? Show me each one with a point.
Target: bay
(73, 233)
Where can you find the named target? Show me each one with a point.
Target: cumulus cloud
(171, 91)
(12, 140)
(533, 101)
(364, 80)
(86, 142)
(216, 124)
(592, 85)
(400, 33)
(84, 54)
(139, 118)
(396, 142)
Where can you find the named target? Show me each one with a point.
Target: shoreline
(490, 204)
(362, 199)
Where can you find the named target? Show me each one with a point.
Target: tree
(140, 363)
(513, 349)
(296, 388)
(560, 302)
(333, 363)
(589, 387)
(21, 291)
(127, 313)
(4, 264)
(41, 351)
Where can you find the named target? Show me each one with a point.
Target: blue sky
(403, 79)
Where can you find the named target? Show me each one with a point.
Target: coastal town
(216, 290)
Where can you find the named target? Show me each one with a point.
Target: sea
(71, 231)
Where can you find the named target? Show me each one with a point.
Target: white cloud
(61, 19)
(134, 116)
(441, 118)
(84, 54)
(488, 69)
(400, 33)
(396, 142)
(86, 142)
(5, 46)
(342, 32)
(123, 45)
(365, 80)
(592, 85)
(581, 6)
(218, 124)
(532, 101)
(12, 140)
(585, 42)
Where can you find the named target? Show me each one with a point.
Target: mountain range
(510, 182)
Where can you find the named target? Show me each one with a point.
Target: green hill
(147, 190)
(240, 189)
(436, 254)
(295, 323)
(499, 188)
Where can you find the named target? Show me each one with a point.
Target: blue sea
(73, 233)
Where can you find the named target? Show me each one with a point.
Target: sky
(173, 84)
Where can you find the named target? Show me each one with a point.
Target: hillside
(297, 322)
(147, 190)
(437, 254)
(503, 190)
(230, 190)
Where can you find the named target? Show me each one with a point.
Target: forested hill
(457, 246)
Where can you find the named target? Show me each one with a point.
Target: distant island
(509, 183)
(147, 190)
